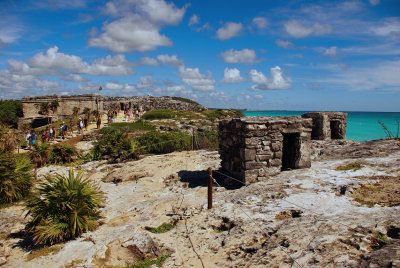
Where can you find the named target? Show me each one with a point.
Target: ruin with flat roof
(328, 125)
(254, 148)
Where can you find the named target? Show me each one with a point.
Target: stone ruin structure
(328, 125)
(253, 148)
(31, 107)
(151, 102)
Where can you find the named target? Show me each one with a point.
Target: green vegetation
(113, 142)
(160, 114)
(164, 142)
(212, 114)
(62, 153)
(185, 100)
(163, 228)
(15, 177)
(353, 167)
(389, 134)
(207, 140)
(138, 125)
(10, 111)
(63, 207)
(147, 263)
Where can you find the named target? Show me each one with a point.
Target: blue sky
(254, 54)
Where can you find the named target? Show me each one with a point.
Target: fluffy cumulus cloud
(170, 60)
(194, 20)
(229, 30)
(246, 56)
(198, 81)
(296, 29)
(276, 81)
(332, 51)
(284, 44)
(259, 23)
(140, 29)
(232, 76)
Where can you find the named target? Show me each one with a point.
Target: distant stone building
(31, 107)
(253, 148)
(328, 125)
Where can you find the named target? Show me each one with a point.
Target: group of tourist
(49, 133)
(135, 113)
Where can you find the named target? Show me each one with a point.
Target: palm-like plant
(45, 108)
(76, 110)
(39, 156)
(54, 106)
(87, 111)
(63, 208)
(15, 177)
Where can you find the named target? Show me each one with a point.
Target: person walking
(98, 122)
(28, 139)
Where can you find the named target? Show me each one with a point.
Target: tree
(87, 111)
(54, 106)
(64, 207)
(39, 156)
(76, 110)
(45, 110)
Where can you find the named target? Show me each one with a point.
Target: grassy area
(212, 114)
(163, 228)
(147, 263)
(138, 125)
(185, 100)
(352, 166)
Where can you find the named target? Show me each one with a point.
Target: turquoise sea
(361, 126)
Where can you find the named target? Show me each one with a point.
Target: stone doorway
(336, 130)
(290, 150)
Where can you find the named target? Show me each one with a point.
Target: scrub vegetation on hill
(10, 111)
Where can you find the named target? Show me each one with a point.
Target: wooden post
(210, 188)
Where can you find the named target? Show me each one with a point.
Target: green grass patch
(159, 114)
(163, 142)
(185, 100)
(147, 263)
(138, 125)
(44, 251)
(163, 228)
(353, 167)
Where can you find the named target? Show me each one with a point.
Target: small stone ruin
(328, 125)
(253, 148)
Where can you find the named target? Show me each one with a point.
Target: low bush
(138, 125)
(113, 142)
(63, 207)
(159, 114)
(207, 140)
(62, 153)
(164, 142)
(15, 177)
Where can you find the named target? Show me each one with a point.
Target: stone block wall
(328, 125)
(254, 148)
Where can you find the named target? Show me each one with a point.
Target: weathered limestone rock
(253, 148)
(328, 125)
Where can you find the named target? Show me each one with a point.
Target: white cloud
(284, 44)
(148, 61)
(246, 56)
(198, 81)
(388, 27)
(205, 27)
(296, 29)
(130, 33)
(10, 29)
(232, 76)
(277, 80)
(194, 20)
(170, 60)
(229, 30)
(257, 96)
(160, 12)
(259, 23)
(374, 2)
(332, 51)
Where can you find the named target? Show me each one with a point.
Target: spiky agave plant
(15, 177)
(63, 207)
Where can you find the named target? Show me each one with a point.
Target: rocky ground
(305, 218)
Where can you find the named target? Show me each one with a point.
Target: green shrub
(62, 153)
(163, 228)
(148, 263)
(207, 140)
(113, 142)
(10, 111)
(185, 100)
(40, 154)
(138, 125)
(15, 177)
(159, 114)
(164, 142)
(63, 208)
